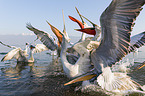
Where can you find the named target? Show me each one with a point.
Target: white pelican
(116, 26)
(82, 65)
(81, 24)
(76, 67)
(25, 51)
(46, 39)
(136, 41)
(20, 56)
(81, 48)
(95, 30)
(85, 28)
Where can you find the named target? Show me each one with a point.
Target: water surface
(45, 76)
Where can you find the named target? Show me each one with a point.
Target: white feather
(12, 54)
(116, 82)
(39, 48)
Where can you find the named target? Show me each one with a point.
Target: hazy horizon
(16, 14)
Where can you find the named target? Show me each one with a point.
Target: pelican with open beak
(116, 26)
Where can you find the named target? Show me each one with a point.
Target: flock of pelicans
(90, 59)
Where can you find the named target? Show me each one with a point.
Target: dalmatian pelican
(116, 26)
(82, 65)
(21, 55)
(47, 40)
(25, 51)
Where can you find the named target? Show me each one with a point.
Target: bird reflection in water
(17, 71)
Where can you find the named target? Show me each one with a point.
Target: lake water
(45, 76)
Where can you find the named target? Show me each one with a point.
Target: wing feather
(39, 48)
(137, 41)
(116, 22)
(137, 37)
(12, 54)
(8, 45)
(44, 37)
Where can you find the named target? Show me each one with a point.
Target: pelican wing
(137, 37)
(39, 48)
(116, 22)
(12, 54)
(137, 41)
(8, 45)
(44, 37)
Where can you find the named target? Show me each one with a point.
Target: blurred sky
(14, 14)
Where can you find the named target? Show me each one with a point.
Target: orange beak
(56, 32)
(58, 43)
(83, 78)
(77, 21)
(90, 31)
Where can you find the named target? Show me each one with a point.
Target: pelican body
(116, 25)
(22, 56)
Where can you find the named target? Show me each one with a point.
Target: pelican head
(79, 22)
(32, 47)
(56, 32)
(90, 30)
(27, 43)
(64, 36)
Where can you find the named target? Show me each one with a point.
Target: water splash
(123, 66)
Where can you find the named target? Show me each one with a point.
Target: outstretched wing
(44, 37)
(12, 54)
(8, 45)
(137, 41)
(116, 22)
(137, 37)
(39, 48)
